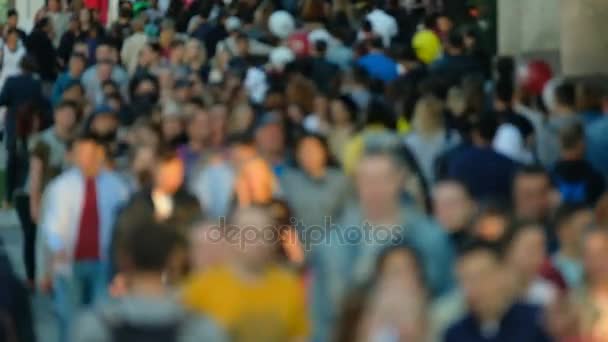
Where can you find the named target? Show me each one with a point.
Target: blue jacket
(345, 258)
(379, 66)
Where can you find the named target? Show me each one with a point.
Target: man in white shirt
(11, 55)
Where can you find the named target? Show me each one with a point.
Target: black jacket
(40, 46)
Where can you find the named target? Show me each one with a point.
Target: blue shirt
(379, 66)
(597, 144)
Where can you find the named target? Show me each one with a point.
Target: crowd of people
(314, 170)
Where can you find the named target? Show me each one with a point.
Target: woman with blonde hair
(430, 136)
(195, 58)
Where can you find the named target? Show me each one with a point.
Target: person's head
(54, 5)
(380, 113)
(444, 23)
(241, 119)
(66, 115)
(503, 96)
(379, 180)
(256, 236)
(269, 136)
(138, 24)
(525, 249)
(455, 44)
(172, 123)
(470, 39)
(146, 248)
(109, 87)
(178, 51)
(400, 265)
(571, 220)
(453, 206)
(88, 154)
(12, 37)
(595, 254)
(12, 18)
(28, 64)
(565, 98)
(106, 52)
(320, 48)
(343, 111)
(73, 92)
(85, 16)
(428, 116)
(484, 129)
(169, 173)
(167, 31)
(182, 90)
(482, 279)
(532, 194)
(104, 70)
(195, 52)
(104, 123)
(150, 54)
(492, 223)
(572, 142)
(199, 126)
(312, 154)
(77, 65)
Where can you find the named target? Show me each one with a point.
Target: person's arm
(35, 176)
(5, 93)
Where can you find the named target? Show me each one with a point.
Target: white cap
(321, 34)
(232, 23)
(281, 24)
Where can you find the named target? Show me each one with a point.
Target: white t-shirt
(10, 62)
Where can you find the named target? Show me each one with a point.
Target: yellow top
(270, 309)
(427, 46)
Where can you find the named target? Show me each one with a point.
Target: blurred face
(572, 230)
(379, 184)
(104, 72)
(65, 118)
(167, 35)
(73, 94)
(270, 139)
(170, 176)
(172, 128)
(85, 15)
(198, 130)
(192, 50)
(400, 268)
(527, 252)
(532, 194)
(54, 5)
(177, 54)
(147, 56)
(312, 156)
(339, 114)
(104, 124)
(12, 39)
(481, 281)
(104, 53)
(444, 24)
(12, 21)
(452, 207)
(144, 159)
(242, 47)
(88, 156)
(321, 106)
(595, 256)
(77, 66)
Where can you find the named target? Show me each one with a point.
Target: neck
(62, 133)
(571, 156)
(389, 214)
(569, 251)
(197, 145)
(148, 284)
(249, 273)
(317, 173)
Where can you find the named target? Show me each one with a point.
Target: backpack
(123, 331)
(573, 192)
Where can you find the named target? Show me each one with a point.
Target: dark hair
(495, 249)
(42, 23)
(565, 212)
(367, 26)
(455, 40)
(376, 43)
(504, 91)
(28, 64)
(571, 136)
(380, 112)
(386, 252)
(322, 140)
(154, 46)
(351, 107)
(532, 170)
(486, 126)
(321, 46)
(12, 12)
(80, 56)
(565, 94)
(69, 105)
(147, 245)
